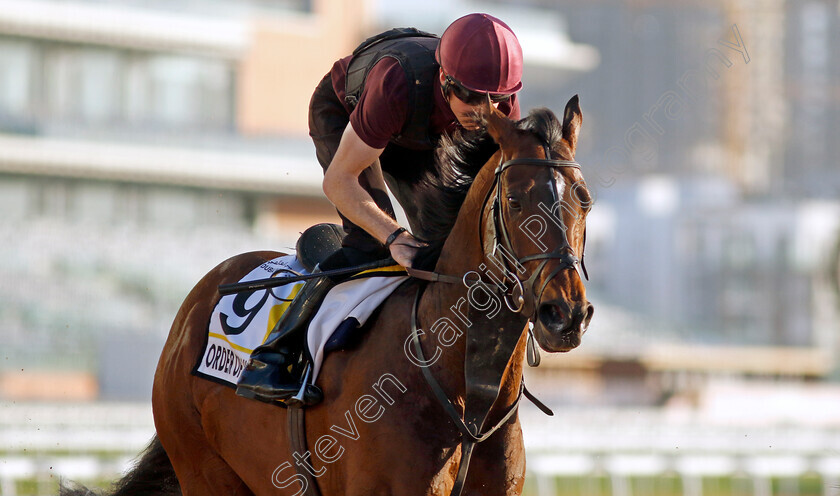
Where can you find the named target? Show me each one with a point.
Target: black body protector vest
(415, 52)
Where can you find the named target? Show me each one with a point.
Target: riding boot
(273, 373)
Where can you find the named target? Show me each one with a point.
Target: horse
(441, 360)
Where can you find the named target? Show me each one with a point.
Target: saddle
(318, 243)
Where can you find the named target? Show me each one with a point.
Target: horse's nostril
(551, 316)
(590, 309)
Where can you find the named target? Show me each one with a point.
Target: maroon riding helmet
(482, 54)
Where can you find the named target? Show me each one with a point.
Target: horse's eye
(513, 203)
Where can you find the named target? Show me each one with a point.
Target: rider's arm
(341, 185)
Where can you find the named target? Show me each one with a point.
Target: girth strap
(297, 439)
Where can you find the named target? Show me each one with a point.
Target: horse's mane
(458, 158)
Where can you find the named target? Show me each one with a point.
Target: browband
(537, 161)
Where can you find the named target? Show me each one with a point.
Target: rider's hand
(404, 248)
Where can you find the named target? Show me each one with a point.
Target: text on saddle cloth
(241, 322)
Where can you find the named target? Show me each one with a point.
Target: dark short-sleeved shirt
(382, 110)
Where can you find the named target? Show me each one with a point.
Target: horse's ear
(572, 119)
(499, 127)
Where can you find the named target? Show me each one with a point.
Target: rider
(399, 95)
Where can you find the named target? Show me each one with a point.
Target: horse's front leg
(498, 464)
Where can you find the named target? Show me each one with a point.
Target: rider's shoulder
(386, 82)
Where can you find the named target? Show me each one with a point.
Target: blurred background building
(142, 143)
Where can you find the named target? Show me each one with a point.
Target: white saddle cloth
(241, 322)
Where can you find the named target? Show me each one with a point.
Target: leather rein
(470, 434)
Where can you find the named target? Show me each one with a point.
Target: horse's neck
(450, 304)
(462, 250)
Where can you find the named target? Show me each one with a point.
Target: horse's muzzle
(560, 327)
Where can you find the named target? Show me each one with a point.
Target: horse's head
(535, 222)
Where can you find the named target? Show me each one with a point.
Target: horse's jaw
(558, 342)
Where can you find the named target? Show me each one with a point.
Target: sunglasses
(472, 97)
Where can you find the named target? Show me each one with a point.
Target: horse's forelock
(544, 124)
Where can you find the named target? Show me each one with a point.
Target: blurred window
(119, 89)
(55, 199)
(172, 208)
(15, 198)
(96, 203)
(99, 93)
(62, 83)
(16, 78)
(222, 209)
(174, 83)
(216, 90)
(83, 85)
(131, 200)
(138, 90)
(184, 91)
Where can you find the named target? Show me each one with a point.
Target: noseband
(501, 240)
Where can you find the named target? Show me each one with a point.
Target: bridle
(502, 241)
(500, 236)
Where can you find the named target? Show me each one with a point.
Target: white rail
(89, 442)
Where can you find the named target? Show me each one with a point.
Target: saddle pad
(348, 304)
(241, 322)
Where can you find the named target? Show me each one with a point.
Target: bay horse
(516, 228)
